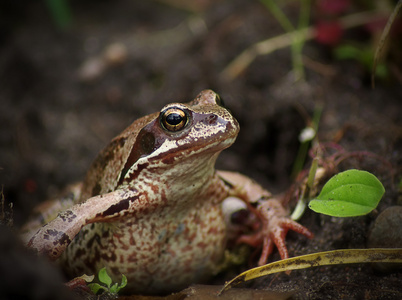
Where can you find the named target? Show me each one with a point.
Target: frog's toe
(276, 232)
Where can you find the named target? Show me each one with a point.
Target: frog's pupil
(174, 119)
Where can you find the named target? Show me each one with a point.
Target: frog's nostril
(212, 119)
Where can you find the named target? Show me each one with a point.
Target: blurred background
(73, 74)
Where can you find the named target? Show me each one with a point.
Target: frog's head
(180, 137)
(188, 135)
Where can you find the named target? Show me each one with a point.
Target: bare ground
(62, 99)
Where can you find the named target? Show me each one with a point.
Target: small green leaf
(114, 288)
(95, 287)
(60, 11)
(347, 52)
(348, 194)
(123, 281)
(104, 277)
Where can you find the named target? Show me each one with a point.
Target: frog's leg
(48, 210)
(54, 237)
(274, 219)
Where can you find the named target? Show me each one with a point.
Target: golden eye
(174, 119)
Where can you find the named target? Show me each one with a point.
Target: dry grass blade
(383, 37)
(336, 257)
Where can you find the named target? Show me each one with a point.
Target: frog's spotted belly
(154, 256)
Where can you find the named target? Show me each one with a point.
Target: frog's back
(103, 175)
(100, 178)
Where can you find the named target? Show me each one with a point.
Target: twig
(384, 36)
(241, 62)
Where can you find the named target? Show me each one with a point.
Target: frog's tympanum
(151, 205)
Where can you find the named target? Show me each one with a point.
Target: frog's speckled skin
(150, 206)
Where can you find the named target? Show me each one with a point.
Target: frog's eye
(174, 119)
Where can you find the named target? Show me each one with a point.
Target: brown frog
(150, 206)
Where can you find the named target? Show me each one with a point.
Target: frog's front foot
(275, 223)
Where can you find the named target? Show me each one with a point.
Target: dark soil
(62, 99)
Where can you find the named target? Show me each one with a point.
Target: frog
(154, 208)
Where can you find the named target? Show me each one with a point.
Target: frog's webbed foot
(268, 219)
(274, 226)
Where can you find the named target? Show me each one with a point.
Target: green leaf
(60, 11)
(347, 52)
(114, 288)
(104, 277)
(123, 281)
(348, 194)
(95, 287)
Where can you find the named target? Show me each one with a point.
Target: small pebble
(387, 233)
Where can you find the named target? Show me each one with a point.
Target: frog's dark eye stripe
(174, 119)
